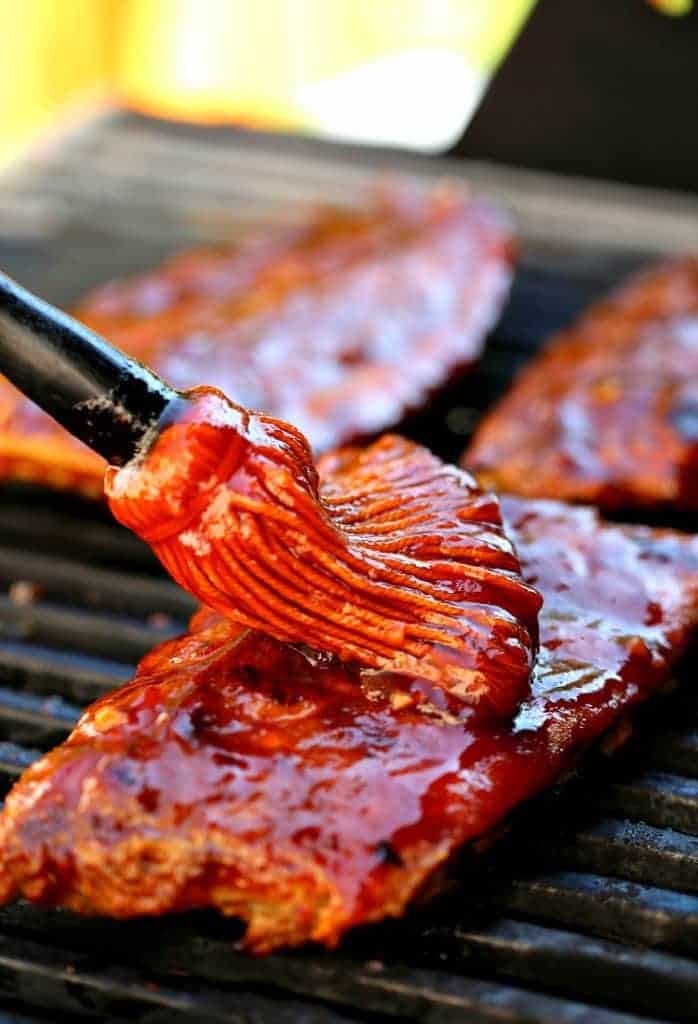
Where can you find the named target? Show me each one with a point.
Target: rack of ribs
(608, 413)
(340, 324)
(306, 792)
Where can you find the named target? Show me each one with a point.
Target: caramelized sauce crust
(306, 795)
(608, 413)
(314, 323)
(399, 562)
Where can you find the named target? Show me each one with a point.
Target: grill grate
(587, 913)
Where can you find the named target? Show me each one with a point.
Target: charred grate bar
(587, 913)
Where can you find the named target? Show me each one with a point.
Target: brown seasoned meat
(339, 325)
(608, 413)
(417, 578)
(306, 795)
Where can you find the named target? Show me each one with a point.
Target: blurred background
(406, 73)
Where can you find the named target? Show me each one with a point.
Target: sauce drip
(419, 580)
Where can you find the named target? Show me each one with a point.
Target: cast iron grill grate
(588, 912)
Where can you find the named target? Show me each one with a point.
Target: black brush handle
(102, 396)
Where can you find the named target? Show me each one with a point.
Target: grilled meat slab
(608, 413)
(307, 795)
(399, 562)
(340, 324)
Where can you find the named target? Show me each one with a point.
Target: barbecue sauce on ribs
(400, 562)
(608, 412)
(314, 323)
(307, 795)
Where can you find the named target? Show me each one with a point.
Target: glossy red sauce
(400, 562)
(313, 323)
(608, 413)
(306, 796)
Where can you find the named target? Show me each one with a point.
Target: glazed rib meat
(417, 578)
(340, 324)
(307, 795)
(608, 413)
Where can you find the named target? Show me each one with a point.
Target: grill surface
(588, 911)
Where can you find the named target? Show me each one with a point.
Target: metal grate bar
(414, 993)
(434, 952)
(626, 849)
(594, 968)
(230, 171)
(45, 671)
(68, 982)
(95, 542)
(37, 721)
(669, 801)
(68, 580)
(49, 712)
(78, 630)
(606, 906)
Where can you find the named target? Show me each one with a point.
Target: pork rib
(306, 795)
(608, 413)
(340, 324)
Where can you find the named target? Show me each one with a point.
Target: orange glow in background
(404, 71)
(408, 72)
(52, 53)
